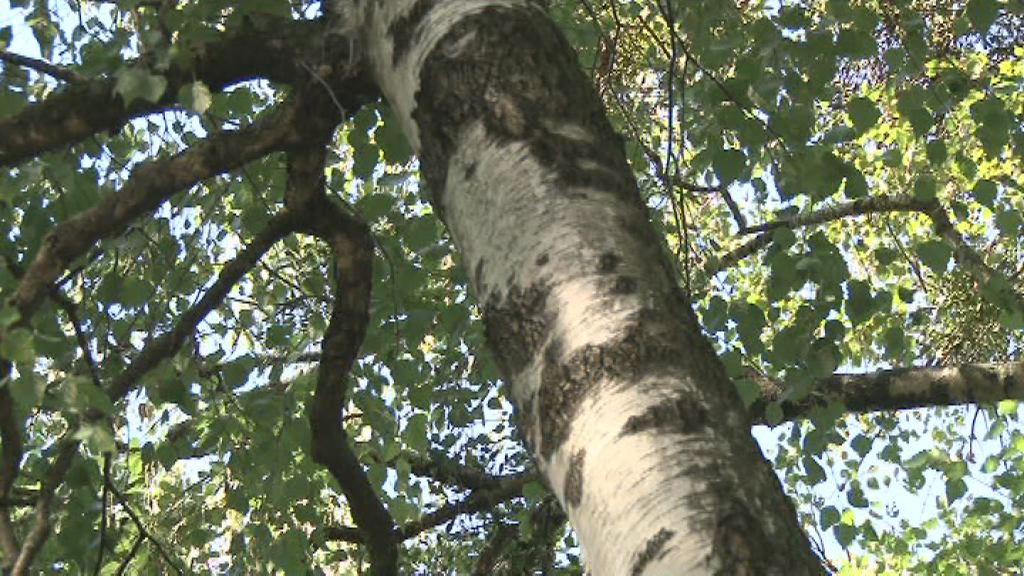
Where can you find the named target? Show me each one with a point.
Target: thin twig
(104, 501)
(131, 554)
(141, 527)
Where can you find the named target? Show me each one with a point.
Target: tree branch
(10, 464)
(167, 344)
(442, 469)
(971, 261)
(152, 353)
(858, 207)
(40, 531)
(352, 252)
(900, 389)
(272, 48)
(480, 500)
(143, 532)
(42, 66)
(150, 185)
(965, 255)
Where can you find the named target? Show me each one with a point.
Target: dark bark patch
(513, 70)
(404, 30)
(607, 263)
(740, 544)
(573, 487)
(680, 415)
(565, 383)
(470, 171)
(478, 275)
(624, 285)
(654, 549)
(517, 326)
(542, 259)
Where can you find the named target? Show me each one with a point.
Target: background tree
(839, 183)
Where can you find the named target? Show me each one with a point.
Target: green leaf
(534, 491)
(750, 321)
(920, 120)
(392, 140)
(924, 187)
(955, 489)
(134, 292)
(1009, 222)
(748, 390)
(823, 358)
(8, 316)
(828, 517)
(196, 96)
(936, 152)
(97, 436)
(861, 444)
(375, 206)
(885, 255)
(859, 302)
(79, 393)
(982, 13)
(856, 185)
(863, 113)
(918, 460)
(814, 472)
(18, 346)
(137, 83)
(415, 433)
(934, 254)
(365, 157)
(845, 534)
(1007, 407)
(28, 389)
(856, 496)
(715, 315)
(985, 192)
(729, 165)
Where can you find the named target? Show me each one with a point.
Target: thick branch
(273, 48)
(150, 185)
(41, 66)
(352, 251)
(902, 388)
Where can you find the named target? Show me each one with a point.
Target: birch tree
(267, 326)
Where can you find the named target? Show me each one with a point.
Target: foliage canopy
(840, 182)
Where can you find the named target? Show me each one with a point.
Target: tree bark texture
(623, 403)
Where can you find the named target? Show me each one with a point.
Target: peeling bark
(624, 405)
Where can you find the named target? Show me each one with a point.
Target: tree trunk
(622, 401)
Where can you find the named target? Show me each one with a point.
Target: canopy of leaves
(840, 183)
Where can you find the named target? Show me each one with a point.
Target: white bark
(901, 389)
(623, 403)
